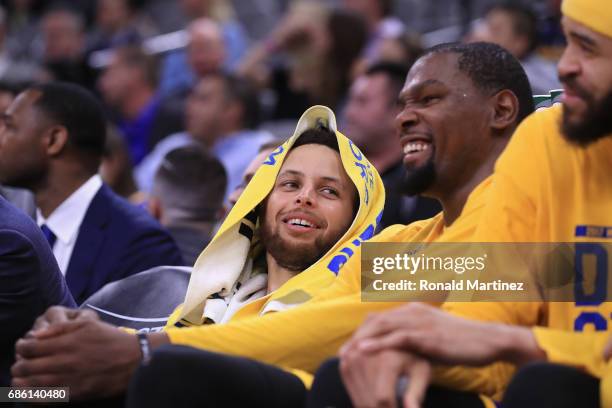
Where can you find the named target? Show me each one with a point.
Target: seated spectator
(118, 23)
(30, 281)
(370, 123)
(52, 143)
(382, 25)
(187, 198)
(514, 27)
(12, 70)
(224, 40)
(308, 59)
(62, 31)
(404, 50)
(222, 115)
(204, 54)
(312, 207)
(128, 85)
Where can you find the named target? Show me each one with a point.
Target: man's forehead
(436, 69)
(370, 84)
(330, 165)
(572, 27)
(433, 67)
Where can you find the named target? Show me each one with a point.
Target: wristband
(145, 347)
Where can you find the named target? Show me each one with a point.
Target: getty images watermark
(507, 272)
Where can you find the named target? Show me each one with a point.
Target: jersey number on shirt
(597, 296)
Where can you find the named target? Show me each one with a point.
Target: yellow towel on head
(228, 259)
(595, 14)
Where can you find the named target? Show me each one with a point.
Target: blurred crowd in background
(233, 75)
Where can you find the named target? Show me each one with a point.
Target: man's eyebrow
(292, 172)
(419, 87)
(300, 174)
(583, 39)
(334, 179)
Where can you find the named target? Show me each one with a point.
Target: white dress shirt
(66, 220)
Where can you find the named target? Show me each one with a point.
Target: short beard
(419, 180)
(26, 180)
(295, 258)
(596, 124)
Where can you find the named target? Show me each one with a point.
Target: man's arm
(300, 338)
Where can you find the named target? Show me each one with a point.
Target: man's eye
(585, 49)
(430, 99)
(289, 184)
(331, 191)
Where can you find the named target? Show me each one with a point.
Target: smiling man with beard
(309, 209)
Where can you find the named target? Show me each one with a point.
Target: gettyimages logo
(414, 264)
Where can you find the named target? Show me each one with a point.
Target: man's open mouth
(300, 222)
(416, 147)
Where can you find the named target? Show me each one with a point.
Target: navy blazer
(116, 239)
(30, 281)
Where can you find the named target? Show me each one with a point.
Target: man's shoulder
(540, 138)
(535, 137)
(17, 223)
(404, 233)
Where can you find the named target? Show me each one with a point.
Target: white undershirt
(66, 220)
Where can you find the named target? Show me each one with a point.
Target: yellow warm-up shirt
(303, 337)
(546, 189)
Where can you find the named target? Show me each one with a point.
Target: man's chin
(418, 180)
(588, 126)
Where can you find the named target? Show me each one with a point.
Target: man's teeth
(415, 147)
(299, 221)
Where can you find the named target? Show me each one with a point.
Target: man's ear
(57, 138)
(505, 109)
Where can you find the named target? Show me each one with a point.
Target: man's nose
(569, 64)
(406, 119)
(305, 196)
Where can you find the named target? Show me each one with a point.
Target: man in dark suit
(30, 281)
(51, 142)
